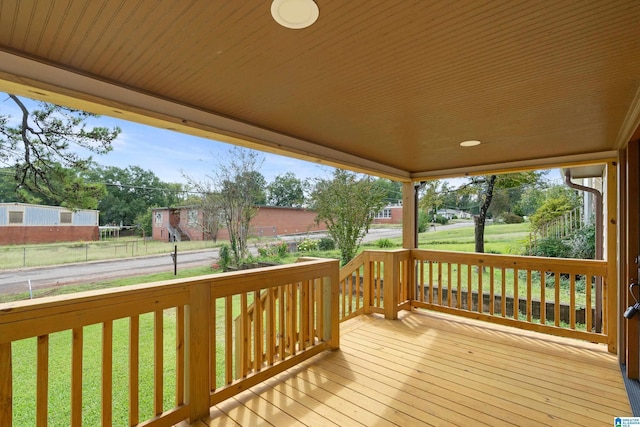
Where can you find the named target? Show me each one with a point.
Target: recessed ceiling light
(295, 14)
(470, 143)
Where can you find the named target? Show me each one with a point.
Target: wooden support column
(613, 284)
(409, 219)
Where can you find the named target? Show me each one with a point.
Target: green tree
(286, 190)
(484, 186)
(432, 195)
(42, 152)
(392, 190)
(346, 205)
(131, 192)
(231, 194)
(559, 200)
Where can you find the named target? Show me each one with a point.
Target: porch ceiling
(390, 88)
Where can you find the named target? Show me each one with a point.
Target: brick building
(22, 223)
(184, 223)
(390, 214)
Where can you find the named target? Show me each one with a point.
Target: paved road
(14, 281)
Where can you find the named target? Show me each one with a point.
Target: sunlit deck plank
(434, 369)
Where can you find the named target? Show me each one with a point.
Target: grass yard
(18, 256)
(507, 239)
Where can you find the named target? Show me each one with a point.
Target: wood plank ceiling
(392, 87)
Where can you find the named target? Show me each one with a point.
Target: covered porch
(391, 89)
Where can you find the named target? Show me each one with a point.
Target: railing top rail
(563, 265)
(36, 317)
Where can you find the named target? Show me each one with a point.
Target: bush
(423, 222)
(582, 243)
(225, 257)
(511, 218)
(308, 245)
(441, 219)
(384, 243)
(326, 244)
(277, 249)
(551, 247)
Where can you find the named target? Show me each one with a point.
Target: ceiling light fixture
(470, 143)
(295, 14)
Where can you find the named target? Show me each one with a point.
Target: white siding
(36, 215)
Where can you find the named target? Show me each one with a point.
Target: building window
(383, 214)
(15, 217)
(65, 217)
(158, 217)
(192, 217)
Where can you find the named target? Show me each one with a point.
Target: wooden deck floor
(434, 369)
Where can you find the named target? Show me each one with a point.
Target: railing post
(197, 349)
(331, 306)
(391, 286)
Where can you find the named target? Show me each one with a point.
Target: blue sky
(168, 153)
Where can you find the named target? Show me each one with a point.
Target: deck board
(433, 369)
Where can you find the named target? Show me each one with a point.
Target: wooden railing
(200, 312)
(362, 280)
(565, 297)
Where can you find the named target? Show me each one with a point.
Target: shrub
(326, 244)
(308, 245)
(225, 256)
(511, 218)
(441, 219)
(551, 247)
(582, 243)
(423, 222)
(384, 243)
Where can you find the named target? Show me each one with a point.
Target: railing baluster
(293, 322)
(529, 297)
(180, 354)
(440, 290)
(258, 332)
(449, 285)
(589, 316)
(543, 297)
(430, 288)
(503, 298)
(76, 378)
(271, 329)
(42, 388)
(107, 373)
(228, 339)
(459, 284)
(556, 306)
(572, 301)
(480, 290)
(469, 288)
(281, 320)
(516, 297)
(245, 353)
(158, 361)
(134, 375)
(492, 296)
